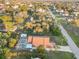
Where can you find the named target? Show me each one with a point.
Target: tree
(41, 49)
(55, 31)
(8, 34)
(28, 55)
(6, 18)
(23, 7)
(1, 21)
(30, 12)
(3, 41)
(14, 35)
(9, 9)
(19, 20)
(39, 52)
(6, 53)
(0, 35)
(12, 43)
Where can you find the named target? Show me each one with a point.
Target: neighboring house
(76, 13)
(69, 18)
(76, 22)
(1, 8)
(35, 58)
(22, 43)
(41, 40)
(65, 14)
(60, 11)
(2, 26)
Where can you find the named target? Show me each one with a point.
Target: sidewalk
(61, 48)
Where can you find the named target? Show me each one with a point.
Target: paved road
(70, 42)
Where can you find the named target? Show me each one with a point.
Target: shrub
(56, 31)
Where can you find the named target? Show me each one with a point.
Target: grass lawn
(51, 55)
(2, 57)
(75, 38)
(60, 55)
(61, 41)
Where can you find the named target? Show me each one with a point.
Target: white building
(22, 43)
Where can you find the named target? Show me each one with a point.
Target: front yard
(60, 40)
(52, 55)
(60, 55)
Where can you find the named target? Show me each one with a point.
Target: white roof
(36, 58)
(23, 35)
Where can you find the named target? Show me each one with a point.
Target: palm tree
(3, 42)
(0, 35)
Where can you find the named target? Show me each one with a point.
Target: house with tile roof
(30, 42)
(41, 41)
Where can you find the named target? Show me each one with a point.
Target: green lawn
(52, 55)
(75, 38)
(61, 41)
(2, 57)
(60, 55)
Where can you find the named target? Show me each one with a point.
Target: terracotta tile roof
(40, 40)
